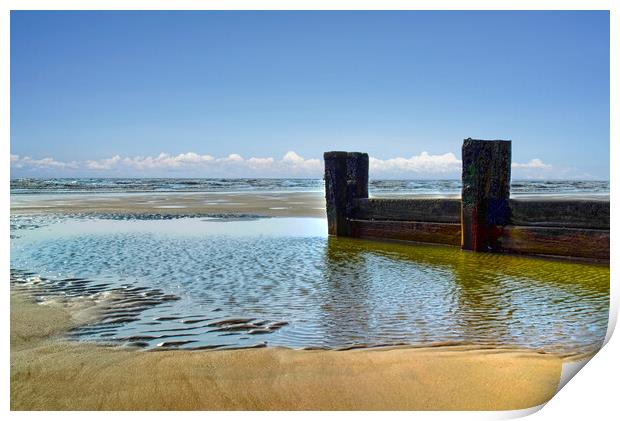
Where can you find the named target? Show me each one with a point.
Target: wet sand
(296, 204)
(289, 204)
(50, 373)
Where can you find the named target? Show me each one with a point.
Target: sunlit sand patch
(300, 204)
(104, 199)
(271, 196)
(60, 203)
(48, 373)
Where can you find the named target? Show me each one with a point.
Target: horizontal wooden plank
(424, 232)
(423, 210)
(574, 242)
(560, 213)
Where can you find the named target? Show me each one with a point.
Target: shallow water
(210, 283)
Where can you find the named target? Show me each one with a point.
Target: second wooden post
(485, 193)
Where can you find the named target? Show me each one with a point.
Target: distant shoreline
(257, 203)
(248, 203)
(377, 187)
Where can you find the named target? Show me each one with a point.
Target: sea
(377, 187)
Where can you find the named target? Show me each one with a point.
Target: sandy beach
(49, 373)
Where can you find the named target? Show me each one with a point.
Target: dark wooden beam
(424, 210)
(572, 242)
(423, 232)
(560, 213)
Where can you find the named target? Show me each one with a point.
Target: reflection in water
(192, 283)
(446, 295)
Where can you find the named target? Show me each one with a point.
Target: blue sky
(266, 93)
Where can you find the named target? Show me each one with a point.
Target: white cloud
(293, 161)
(536, 169)
(535, 163)
(161, 161)
(260, 163)
(233, 157)
(103, 164)
(424, 163)
(292, 157)
(43, 163)
(191, 164)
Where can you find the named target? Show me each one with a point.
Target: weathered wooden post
(485, 193)
(346, 179)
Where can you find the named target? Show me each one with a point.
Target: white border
(591, 394)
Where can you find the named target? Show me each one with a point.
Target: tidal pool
(226, 283)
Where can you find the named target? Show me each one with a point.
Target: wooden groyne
(485, 219)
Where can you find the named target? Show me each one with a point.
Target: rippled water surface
(376, 187)
(210, 283)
